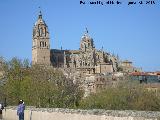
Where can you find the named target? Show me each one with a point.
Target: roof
(158, 73)
(139, 74)
(40, 20)
(144, 74)
(74, 51)
(127, 61)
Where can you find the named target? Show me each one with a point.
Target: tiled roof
(145, 73)
(158, 73)
(139, 74)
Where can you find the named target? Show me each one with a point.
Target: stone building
(40, 43)
(87, 66)
(96, 82)
(127, 66)
(86, 59)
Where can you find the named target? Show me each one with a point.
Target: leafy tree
(39, 86)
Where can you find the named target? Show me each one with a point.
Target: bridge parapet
(32, 113)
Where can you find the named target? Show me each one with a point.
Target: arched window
(80, 63)
(40, 44)
(45, 31)
(43, 44)
(40, 31)
(98, 56)
(85, 47)
(88, 44)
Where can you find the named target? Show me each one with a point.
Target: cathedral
(86, 59)
(93, 69)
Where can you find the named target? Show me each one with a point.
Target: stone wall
(70, 114)
(104, 68)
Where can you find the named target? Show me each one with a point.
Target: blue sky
(131, 31)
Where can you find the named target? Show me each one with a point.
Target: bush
(123, 98)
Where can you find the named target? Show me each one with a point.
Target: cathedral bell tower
(40, 43)
(86, 42)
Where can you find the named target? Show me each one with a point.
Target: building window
(45, 31)
(88, 44)
(85, 48)
(98, 56)
(41, 44)
(40, 32)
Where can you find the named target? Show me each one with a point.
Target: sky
(131, 31)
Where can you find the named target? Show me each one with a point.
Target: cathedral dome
(86, 42)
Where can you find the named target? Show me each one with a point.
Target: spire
(40, 13)
(86, 30)
(102, 48)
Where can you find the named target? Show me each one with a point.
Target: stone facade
(96, 82)
(87, 59)
(127, 66)
(40, 43)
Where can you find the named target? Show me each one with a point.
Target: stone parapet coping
(115, 113)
